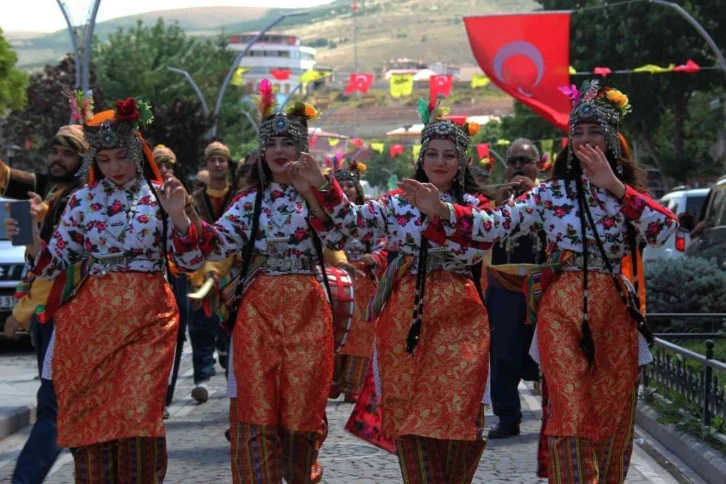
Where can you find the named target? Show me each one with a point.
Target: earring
(619, 169)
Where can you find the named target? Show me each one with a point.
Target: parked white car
(686, 205)
(12, 270)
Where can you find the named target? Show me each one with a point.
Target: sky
(46, 16)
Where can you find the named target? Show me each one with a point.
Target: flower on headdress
(618, 98)
(127, 110)
(357, 165)
(473, 128)
(310, 111)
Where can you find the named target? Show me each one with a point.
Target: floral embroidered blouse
(283, 230)
(399, 222)
(553, 208)
(106, 220)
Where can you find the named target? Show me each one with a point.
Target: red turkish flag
(281, 74)
(357, 142)
(396, 150)
(602, 71)
(528, 57)
(482, 150)
(359, 82)
(441, 84)
(689, 67)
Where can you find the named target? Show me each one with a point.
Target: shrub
(687, 285)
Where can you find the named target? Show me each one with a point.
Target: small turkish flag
(359, 82)
(357, 142)
(441, 84)
(526, 61)
(689, 67)
(482, 150)
(602, 71)
(396, 150)
(281, 74)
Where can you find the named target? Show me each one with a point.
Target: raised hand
(597, 169)
(308, 169)
(425, 197)
(172, 197)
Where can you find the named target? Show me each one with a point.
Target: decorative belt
(106, 263)
(436, 259)
(594, 262)
(289, 265)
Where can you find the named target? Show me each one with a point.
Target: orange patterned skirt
(438, 391)
(283, 353)
(114, 348)
(586, 402)
(362, 333)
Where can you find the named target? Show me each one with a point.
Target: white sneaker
(201, 393)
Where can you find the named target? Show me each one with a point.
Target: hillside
(429, 30)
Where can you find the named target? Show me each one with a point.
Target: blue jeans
(206, 334)
(41, 449)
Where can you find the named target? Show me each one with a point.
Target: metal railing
(679, 371)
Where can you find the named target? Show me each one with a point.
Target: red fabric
(281, 74)
(365, 420)
(526, 61)
(690, 67)
(441, 84)
(396, 150)
(359, 82)
(563, 141)
(483, 150)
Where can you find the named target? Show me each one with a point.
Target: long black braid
(458, 193)
(586, 343)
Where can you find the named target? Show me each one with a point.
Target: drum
(341, 291)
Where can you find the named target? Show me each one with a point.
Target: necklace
(118, 229)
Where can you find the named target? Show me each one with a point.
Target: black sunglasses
(522, 160)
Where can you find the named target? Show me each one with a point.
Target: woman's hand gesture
(425, 197)
(306, 171)
(597, 169)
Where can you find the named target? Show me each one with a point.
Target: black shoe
(504, 431)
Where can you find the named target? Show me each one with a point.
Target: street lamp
(194, 86)
(240, 57)
(82, 57)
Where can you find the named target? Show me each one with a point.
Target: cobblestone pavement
(199, 452)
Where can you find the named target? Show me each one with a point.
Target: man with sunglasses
(510, 260)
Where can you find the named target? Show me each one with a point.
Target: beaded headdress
(352, 173)
(117, 128)
(436, 127)
(605, 106)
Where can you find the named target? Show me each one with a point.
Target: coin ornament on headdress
(605, 106)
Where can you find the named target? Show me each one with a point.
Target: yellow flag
(479, 80)
(377, 147)
(238, 76)
(653, 69)
(416, 151)
(401, 85)
(503, 142)
(311, 75)
(333, 141)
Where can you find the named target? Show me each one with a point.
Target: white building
(273, 51)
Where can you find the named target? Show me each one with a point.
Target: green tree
(134, 62)
(380, 167)
(12, 81)
(627, 36)
(46, 109)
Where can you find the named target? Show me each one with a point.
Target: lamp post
(239, 57)
(194, 86)
(82, 57)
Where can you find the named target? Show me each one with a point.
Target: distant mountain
(429, 30)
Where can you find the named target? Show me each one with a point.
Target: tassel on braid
(586, 343)
(164, 229)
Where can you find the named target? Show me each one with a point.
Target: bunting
(311, 75)
(238, 76)
(482, 150)
(396, 150)
(401, 85)
(416, 150)
(377, 147)
(548, 146)
(281, 74)
(479, 80)
(333, 141)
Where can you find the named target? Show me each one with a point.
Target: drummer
(367, 258)
(286, 364)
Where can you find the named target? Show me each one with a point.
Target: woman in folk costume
(116, 331)
(424, 348)
(281, 353)
(595, 212)
(369, 259)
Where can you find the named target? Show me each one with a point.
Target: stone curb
(699, 456)
(16, 419)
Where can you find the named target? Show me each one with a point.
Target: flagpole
(355, 36)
